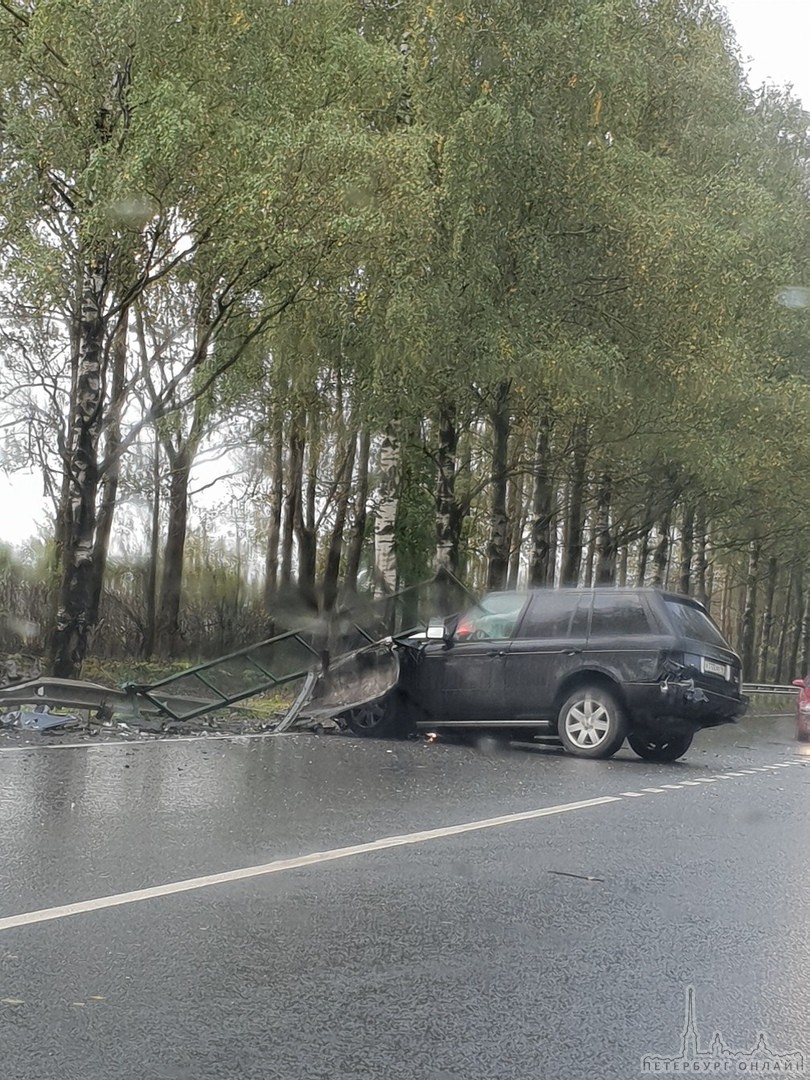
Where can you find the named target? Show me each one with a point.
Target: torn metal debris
(342, 661)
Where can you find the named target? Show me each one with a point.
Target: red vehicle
(803, 709)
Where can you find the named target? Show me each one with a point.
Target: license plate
(711, 668)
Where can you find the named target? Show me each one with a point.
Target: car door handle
(571, 652)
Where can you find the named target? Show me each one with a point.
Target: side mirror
(799, 683)
(439, 629)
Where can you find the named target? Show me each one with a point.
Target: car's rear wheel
(592, 723)
(660, 748)
(802, 735)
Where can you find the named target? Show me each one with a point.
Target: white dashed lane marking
(704, 780)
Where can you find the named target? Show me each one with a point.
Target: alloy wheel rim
(587, 723)
(368, 718)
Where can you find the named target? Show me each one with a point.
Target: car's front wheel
(592, 723)
(378, 719)
(660, 748)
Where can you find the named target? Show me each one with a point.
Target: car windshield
(694, 623)
(494, 617)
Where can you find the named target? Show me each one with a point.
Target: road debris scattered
(581, 877)
(39, 718)
(38, 725)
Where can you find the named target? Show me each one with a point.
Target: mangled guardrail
(342, 660)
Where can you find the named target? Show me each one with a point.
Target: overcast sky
(775, 35)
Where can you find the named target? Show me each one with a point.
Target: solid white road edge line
(278, 866)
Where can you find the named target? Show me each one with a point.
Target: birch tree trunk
(354, 553)
(574, 521)
(73, 626)
(385, 522)
(150, 629)
(793, 671)
(110, 469)
(750, 610)
(305, 528)
(498, 547)
(710, 566)
(590, 551)
(336, 541)
(766, 629)
(605, 542)
(686, 550)
(448, 512)
(517, 517)
(623, 564)
(83, 559)
(661, 553)
(293, 496)
(554, 542)
(725, 605)
(271, 562)
(702, 592)
(781, 647)
(168, 621)
(643, 557)
(540, 567)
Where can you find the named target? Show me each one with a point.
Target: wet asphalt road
(474, 956)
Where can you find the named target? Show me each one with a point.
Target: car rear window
(549, 614)
(694, 623)
(618, 613)
(494, 617)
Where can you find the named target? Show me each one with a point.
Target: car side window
(549, 615)
(618, 614)
(493, 619)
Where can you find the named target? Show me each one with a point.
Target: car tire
(803, 736)
(376, 720)
(660, 748)
(592, 722)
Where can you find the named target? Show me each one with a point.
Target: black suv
(590, 667)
